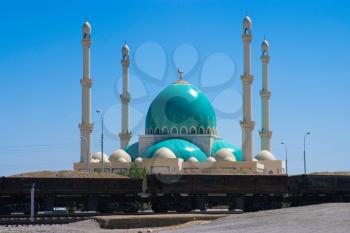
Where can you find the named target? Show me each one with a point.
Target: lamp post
(285, 145)
(102, 159)
(308, 133)
(87, 151)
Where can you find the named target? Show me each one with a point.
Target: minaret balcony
(125, 62)
(86, 43)
(86, 126)
(265, 94)
(265, 133)
(247, 37)
(125, 99)
(247, 78)
(265, 59)
(247, 124)
(125, 135)
(86, 82)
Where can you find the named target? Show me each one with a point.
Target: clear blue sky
(41, 64)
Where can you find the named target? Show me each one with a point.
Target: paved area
(323, 218)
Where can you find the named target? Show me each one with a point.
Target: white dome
(138, 160)
(211, 159)
(117, 154)
(164, 152)
(94, 161)
(265, 155)
(121, 160)
(87, 27)
(225, 154)
(98, 156)
(192, 160)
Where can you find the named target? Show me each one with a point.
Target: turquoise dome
(133, 150)
(221, 144)
(181, 148)
(180, 108)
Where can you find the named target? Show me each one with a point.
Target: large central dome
(180, 108)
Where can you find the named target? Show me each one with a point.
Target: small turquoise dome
(180, 108)
(220, 144)
(133, 150)
(181, 148)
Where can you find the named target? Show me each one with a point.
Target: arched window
(165, 130)
(157, 131)
(201, 130)
(150, 131)
(208, 131)
(246, 31)
(183, 130)
(174, 130)
(193, 130)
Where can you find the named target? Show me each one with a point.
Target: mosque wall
(276, 167)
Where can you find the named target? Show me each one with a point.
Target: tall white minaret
(86, 127)
(265, 133)
(125, 97)
(247, 124)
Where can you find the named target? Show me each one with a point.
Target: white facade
(178, 166)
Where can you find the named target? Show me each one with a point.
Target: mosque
(180, 134)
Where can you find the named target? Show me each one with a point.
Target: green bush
(136, 172)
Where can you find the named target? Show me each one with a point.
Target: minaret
(265, 133)
(125, 133)
(247, 124)
(86, 126)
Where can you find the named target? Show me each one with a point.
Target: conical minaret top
(86, 31)
(86, 126)
(125, 134)
(247, 124)
(125, 52)
(247, 38)
(265, 133)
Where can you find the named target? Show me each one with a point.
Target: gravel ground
(325, 218)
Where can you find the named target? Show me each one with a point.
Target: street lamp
(285, 145)
(87, 151)
(308, 133)
(102, 159)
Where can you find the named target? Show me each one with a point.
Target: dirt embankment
(68, 174)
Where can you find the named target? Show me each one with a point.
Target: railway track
(49, 219)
